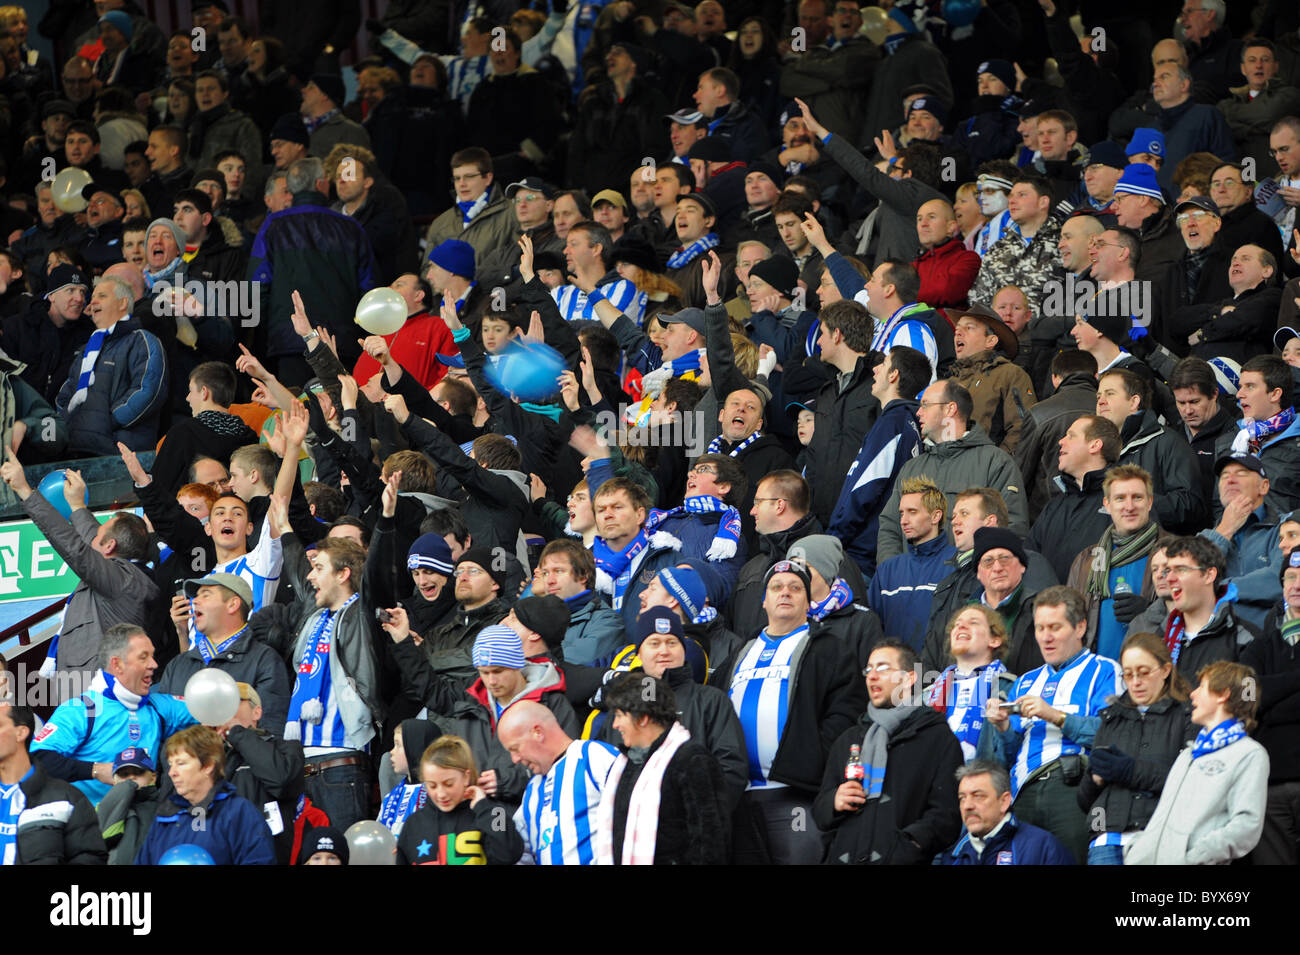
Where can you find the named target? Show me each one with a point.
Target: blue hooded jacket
(232, 830)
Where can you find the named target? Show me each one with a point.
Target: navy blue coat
(1016, 843)
(233, 831)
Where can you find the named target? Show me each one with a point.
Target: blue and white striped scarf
(468, 210)
(715, 446)
(688, 253)
(86, 378)
(728, 533)
(209, 652)
(840, 595)
(1225, 734)
(311, 690)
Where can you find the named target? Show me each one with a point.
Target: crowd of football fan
(920, 482)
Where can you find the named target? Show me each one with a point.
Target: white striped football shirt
(557, 815)
(623, 295)
(760, 694)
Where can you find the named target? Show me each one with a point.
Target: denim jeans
(342, 793)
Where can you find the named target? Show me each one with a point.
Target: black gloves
(1112, 765)
(1128, 606)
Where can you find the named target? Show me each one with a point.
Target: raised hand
(569, 389)
(74, 489)
(448, 313)
(711, 275)
(812, 228)
(248, 364)
(389, 497)
(294, 427)
(526, 270)
(814, 127)
(301, 324)
(348, 389)
(376, 347)
(885, 144)
(133, 467)
(395, 405)
(11, 472)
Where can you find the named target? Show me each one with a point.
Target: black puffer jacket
(58, 826)
(1072, 515)
(1154, 740)
(1045, 424)
(919, 817)
(1169, 460)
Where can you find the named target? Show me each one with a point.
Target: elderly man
(1050, 720)
(961, 456)
(887, 791)
(1201, 274)
(1001, 390)
(85, 734)
(556, 817)
(117, 383)
(1232, 189)
(1248, 535)
(1189, 127)
(993, 835)
(1241, 325)
(792, 689)
(1252, 110)
(1115, 575)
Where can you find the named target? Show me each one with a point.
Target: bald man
(947, 268)
(558, 813)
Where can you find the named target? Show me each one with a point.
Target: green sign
(30, 567)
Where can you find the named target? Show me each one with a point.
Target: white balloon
(381, 311)
(212, 696)
(65, 191)
(371, 843)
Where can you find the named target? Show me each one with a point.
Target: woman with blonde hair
(977, 640)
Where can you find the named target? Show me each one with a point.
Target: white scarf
(641, 828)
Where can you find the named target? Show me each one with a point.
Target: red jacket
(947, 273)
(416, 347)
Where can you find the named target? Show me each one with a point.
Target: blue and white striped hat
(1139, 179)
(1227, 373)
(498, 646)
(430, 552)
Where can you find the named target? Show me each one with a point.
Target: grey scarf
(875, 747)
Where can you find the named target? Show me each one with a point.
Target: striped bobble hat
(498, 646)
(1139, 179)
(1227, 373)
(430, 552)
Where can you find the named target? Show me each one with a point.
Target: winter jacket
(1211, 810)
(1072, 515)
(1238, 327)
(337, 129)
(953, 466)
(414, 132)
(1281, 456)
(225, 128)
(126, 814)
(595, 632)
(892, 442)
(962, 587)
(833, 82)
(213, 433)
(247, 661)
(990, 132)
(463, 836)
(57, 825)
(1223, 638)
(1251, 119)
(1254, 563)
(1038, 451)
(124, 401)
(232, 829)
(1190, 128)
(746, 611)
(322, 254)
(110, 590)
(449, 646)
(825, 695)
(1277, 668)
(918, 818)
(1205, 445)
(1002, 392)
(902, 590)
(31, 337)
(508, 110)
(1014, 843)
(612, 134)
(1190, 281)
(947, 272)
(1013, 261)
(1215, 65)
(1163, 454)
(899, 198)
(34, 246)
(914, 60)
(844, 419)
(1154, 739)
(742, 129)
(386, 220)
(266, 769)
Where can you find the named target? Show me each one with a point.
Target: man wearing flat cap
(1000, 389)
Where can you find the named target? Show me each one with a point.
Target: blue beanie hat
(455, 256)
(686, 587)
(498, 646)
(120, 21)
(663, 621)
(1139, 179)
(1146, 140)
(430, 551)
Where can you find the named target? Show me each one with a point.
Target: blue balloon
(961, 13)
(51, 488)
(528, 370)
(186, 855)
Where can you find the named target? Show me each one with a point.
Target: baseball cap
(1248, 461)
(612, 196)
(1200, 202)
(692, 318)
(532, 184)
(134, 757)
(687, 117)
(236, 585)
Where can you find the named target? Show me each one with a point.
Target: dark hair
(131, 534)
(683, 393)
(729, 80)
(1235, 678)
(913, 367)
(86, 128)
(795, 204)
(1200, 550)
(445, 521)
(1276, 374)
(219, 379)
(347, 520)
(327, 503)
(958, 395)
(473, 156)
(1131, 241)
(24, 716)
(923, 161)
(596, 234)
(1134, 384)
(235, 23)
(635, 492)
(1154, 644)
(114, 99)
(907, 657)
(1103, 429)
(1195, 373)
(275, 55)
(1257, 41)
(602, 344)
(1073, 361)
(806, 186)
(174, 135)
(638, 694)
(1039, 183)
(1076, 607)
(583, 202)
(462, 398)
(792, 488)
(731, 472)
(214, 75)
(497, 453)
(137, 146)
(853, 321)
(419, 473)
(135, 224)
(904, 277)
(678, 170)
(580, 559)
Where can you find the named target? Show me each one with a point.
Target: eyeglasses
(467, 177)
(878, 668)
(522, 197)
(759, 500)
(1160, 572)
(992, 561)
(931, 404)
(1185, 217)
(704, 469)
(468, 572)
(1141, 673)
(1182, 570)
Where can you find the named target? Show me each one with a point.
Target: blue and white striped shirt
(1083, 687)
(558, 811)
(623, 295)
(464, 73)
(914, 333)
(760, 693)
(259, 568)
